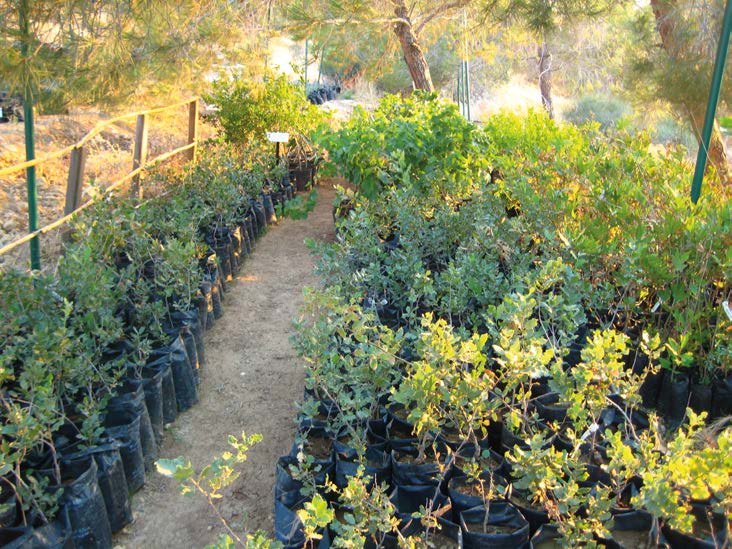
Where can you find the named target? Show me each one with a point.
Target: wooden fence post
(192, 129)
(140, 154)
(75, 183)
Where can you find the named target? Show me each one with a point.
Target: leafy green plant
(608, 111)
(212, 479)
(695, 466)
(300, 207)
(446, 389)
(247, 110)
(416, 141)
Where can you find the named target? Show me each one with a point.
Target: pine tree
(543, 19)
(401, 19)
(680, 70)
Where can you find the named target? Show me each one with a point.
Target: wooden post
(140, 154)
(192, 129)
(75, 183)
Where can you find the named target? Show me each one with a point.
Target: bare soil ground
(250, 383)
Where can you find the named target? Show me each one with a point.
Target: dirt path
(250, 383)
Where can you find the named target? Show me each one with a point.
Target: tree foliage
(89, 52)
(401, 22)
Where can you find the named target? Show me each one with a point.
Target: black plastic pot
(651, 385)
(7, 499)
(207, 307)
(537, 517)
(406, 472)
(217, 296)
(160, 364)
(192, 321)
(378, 467)
(376, 434)
(719, 526)
(56, 534)
(399, 432)
(246, 245)
(287, 488)
(124, 427)
(461, 499)
(674, 396)
(269, 210)
(575, 348)
(301, 177)
(194, 363)
(511, 529)
(224, 261)
(489, 461)
(111, 480)
(233, 250)
(547, 537)
(700, 398)
(152, 385)
(631, 524)
(259, 215)
(131, 397)
(509, 440)
(722, 396)
(251, 229)
(186, 390)
(548, 408)
(398, 439)
(409, 499)
(238, 250)
(220, 239)
(217, 293)
(327, 410)
(85, 505)
(449, 535)
(289, 529)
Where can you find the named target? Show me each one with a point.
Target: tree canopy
(102, 51)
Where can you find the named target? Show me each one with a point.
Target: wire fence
(111, 158)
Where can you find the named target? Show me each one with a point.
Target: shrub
(605, 109)
(669, 131)
(247, 110)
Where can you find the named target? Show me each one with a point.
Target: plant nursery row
(522, 339)
(99, 356)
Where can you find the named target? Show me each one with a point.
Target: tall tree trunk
(717, 153)
(413, 54)
(545, 77)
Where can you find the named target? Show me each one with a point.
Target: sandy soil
(250, 383)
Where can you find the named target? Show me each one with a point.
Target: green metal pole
(30, 145)
(701, 159)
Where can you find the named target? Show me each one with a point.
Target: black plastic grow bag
(124, 427)
(131, 397)
(111, 480)
(160, 364)
(500, 515)
(85, 505)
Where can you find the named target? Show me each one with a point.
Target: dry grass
(109, 157)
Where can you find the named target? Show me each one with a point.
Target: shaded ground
(250, 383)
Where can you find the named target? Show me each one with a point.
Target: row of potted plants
(506, 345)
(99, 356)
